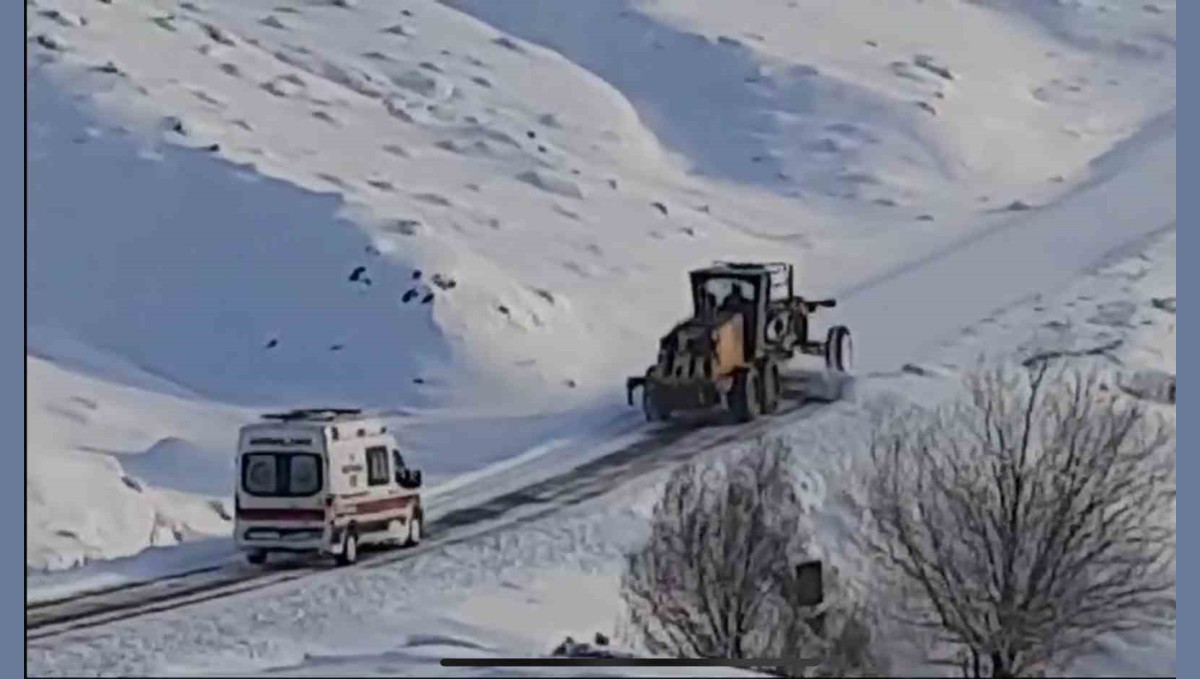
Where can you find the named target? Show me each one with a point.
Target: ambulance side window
(377, 466)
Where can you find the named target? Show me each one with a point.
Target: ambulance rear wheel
(414, 532)
(349, 555)
(257, 557)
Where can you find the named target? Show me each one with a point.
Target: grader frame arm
(631, 384)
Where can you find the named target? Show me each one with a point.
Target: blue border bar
(12, 365)
(1187, 657)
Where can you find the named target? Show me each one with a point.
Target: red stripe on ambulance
(246, 514)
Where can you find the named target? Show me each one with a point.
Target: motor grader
(746, 322)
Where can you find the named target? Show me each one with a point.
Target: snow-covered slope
(249, 204)
(938, 105)
(113, 469)
(1120, 319)
(499, 197)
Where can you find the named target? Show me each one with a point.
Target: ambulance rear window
(281, 474)
(260, 474)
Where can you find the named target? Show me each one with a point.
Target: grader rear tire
(745, 398)
(655, 411)
(772, 388)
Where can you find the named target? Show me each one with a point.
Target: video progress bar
(624, 662)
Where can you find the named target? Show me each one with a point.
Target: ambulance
(323, 481)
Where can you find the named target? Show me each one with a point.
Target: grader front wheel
(839, 349)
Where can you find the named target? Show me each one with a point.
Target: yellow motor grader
(746, 322)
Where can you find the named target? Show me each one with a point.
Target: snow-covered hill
(942, 103)
(471, 212)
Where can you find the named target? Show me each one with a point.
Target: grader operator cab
(746, 322)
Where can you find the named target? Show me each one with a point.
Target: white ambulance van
(325, 481)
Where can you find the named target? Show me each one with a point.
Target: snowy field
(440, 208)
(559, 576)
(477, 216)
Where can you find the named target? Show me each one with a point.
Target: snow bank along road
(895, 317)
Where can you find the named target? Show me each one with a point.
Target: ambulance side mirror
(408, 478)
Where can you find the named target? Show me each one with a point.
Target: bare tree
(713, 580)
(706, 580)
(832, 639)
(1028, 519)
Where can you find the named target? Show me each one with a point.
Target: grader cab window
(721, 294)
